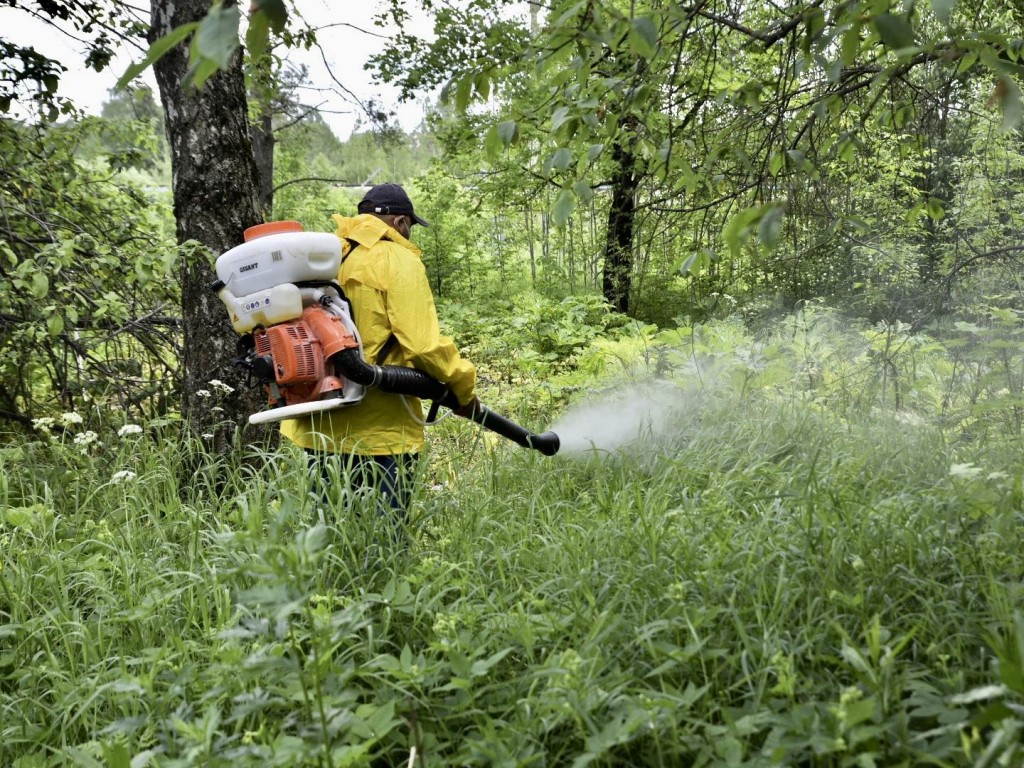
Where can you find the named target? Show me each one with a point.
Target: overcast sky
(346, 48)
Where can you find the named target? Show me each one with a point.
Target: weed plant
(788, 570)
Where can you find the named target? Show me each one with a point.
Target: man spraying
(383, 277)
(342, 332)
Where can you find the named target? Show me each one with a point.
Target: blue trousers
(389, 478)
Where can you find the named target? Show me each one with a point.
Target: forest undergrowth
(807, 554)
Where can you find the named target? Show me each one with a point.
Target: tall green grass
(770, 579)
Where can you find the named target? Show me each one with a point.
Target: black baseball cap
(389, 199)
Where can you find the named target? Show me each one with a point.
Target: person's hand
(469, 409)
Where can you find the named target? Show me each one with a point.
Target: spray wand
(411, 381)
(547, 443)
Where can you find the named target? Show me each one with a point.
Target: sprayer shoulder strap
(352, 245)
(389, 346)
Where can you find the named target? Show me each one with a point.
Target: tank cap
(271, 228)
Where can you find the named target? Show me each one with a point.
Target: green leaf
(40, 285)
(483, 666)
(934, 208)
(858, 711)
(914, 213)
(594, 152)
(943, 9)
(156, 52)
(463, 93)
(564, 205)
(847, 150)
(380, 719)
(482, 84)
(274, 11)
(508, 132)
(217, 37)
(770, 226)
(583, 191)
(492, 142)
(257, 36)
(643, 36)
(20, 517)
(561, 159)
(570, 128)
(558, 117)
(738, 229)
(693, 263)
(967, 61)
(55, 325)
(116, 755)
(814, 24)
(850, 45)
(895, 31)
(141, 760)
(200, 70)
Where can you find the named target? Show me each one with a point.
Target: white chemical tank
(257, 278)
(278, 252)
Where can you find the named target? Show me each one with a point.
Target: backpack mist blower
(299, 341)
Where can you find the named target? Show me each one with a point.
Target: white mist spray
(629, 416)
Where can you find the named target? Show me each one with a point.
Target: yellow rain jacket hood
(383, 276)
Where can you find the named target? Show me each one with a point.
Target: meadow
(808, 553)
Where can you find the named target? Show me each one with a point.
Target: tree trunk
(216, 196)
(263, 150)
(618, 253)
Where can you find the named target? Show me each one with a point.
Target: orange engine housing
(300, 350)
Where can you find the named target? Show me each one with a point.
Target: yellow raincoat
(386, 283)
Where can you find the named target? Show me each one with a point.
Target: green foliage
(213, 40)
(777, 149)
(132, 134)
(30, 78)
(316, 174)
(86, 275)
(457, 246)
(531, 334)
(763, 579)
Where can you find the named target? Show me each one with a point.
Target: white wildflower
(220, 386)
(129, 429)
(207, 435)
(964, 470)
(202, 393)
(43, 423)
(124, 476)
(71, 418)
(86, 438)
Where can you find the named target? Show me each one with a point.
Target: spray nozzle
(546, 442)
